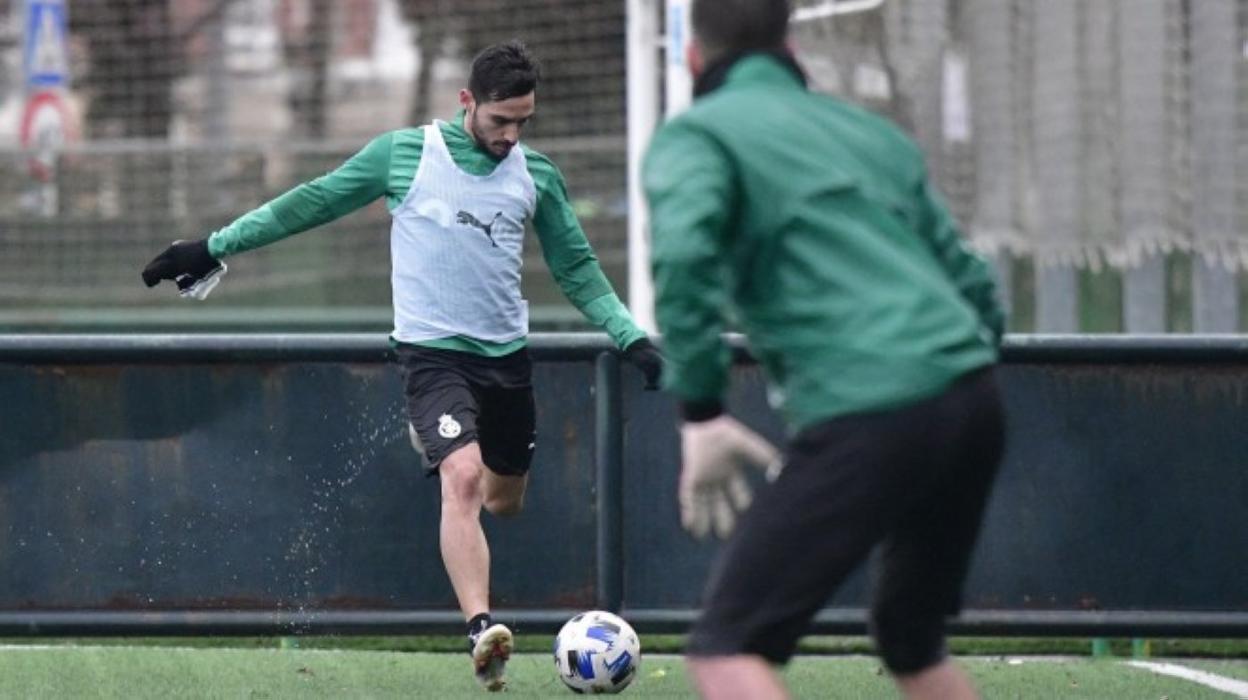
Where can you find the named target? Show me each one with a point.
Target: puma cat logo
(464, 217)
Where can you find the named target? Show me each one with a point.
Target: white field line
(1212, 680)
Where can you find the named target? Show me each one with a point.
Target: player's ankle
(478, 624)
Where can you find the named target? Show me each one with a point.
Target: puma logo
(464, 217)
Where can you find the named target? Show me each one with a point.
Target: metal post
(643, 116)
(1217, 170)
(1143, 140)
(1057, 299)
(1215, 300)
(1003, 270)
(608, 451)
(1054, 146)
(1144, 296)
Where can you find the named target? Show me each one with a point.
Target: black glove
(646, 357)
(189, 265)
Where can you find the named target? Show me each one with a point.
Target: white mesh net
(1077, 131)
(192, 112)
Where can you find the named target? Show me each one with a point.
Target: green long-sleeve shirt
(812, 223)
(386, 167)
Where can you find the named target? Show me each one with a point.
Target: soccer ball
(597, 652)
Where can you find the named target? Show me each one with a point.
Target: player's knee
(908, 641)
(504, 497)
(461, 483)
(505, 506)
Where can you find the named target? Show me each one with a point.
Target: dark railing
(1119, 510)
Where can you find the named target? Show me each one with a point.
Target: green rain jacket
(808, 224)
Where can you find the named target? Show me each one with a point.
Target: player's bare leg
(944, 680)
(464, 549)
(738, 677)
(504, 495)
(467, 486)
(466, 555)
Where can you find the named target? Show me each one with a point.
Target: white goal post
(647, 37)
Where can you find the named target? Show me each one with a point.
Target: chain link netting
(1072, 131)
(1076, 131)
(191, 113)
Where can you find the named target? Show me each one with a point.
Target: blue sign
(45, 58)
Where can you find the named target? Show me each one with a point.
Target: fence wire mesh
(1073, 131)
(1078, 131)
(190, 113)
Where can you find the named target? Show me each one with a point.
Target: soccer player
(459, 193)
(813, 223)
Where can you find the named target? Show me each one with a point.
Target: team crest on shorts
(448, 427)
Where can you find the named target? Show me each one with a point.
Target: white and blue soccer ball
(597, 652)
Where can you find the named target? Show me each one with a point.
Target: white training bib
(456, 247)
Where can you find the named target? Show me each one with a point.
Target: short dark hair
(734, 26)
(503, 71)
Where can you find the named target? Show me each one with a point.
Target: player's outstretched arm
(576, 270)
(196, 267)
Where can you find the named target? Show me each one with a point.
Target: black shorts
(456, 398)
(914, 481)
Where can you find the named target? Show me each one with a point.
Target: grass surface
(65, 671)
(668, 644)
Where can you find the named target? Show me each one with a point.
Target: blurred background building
(1097, 149)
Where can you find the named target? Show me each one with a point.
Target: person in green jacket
(811, 226)
(459, 194)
